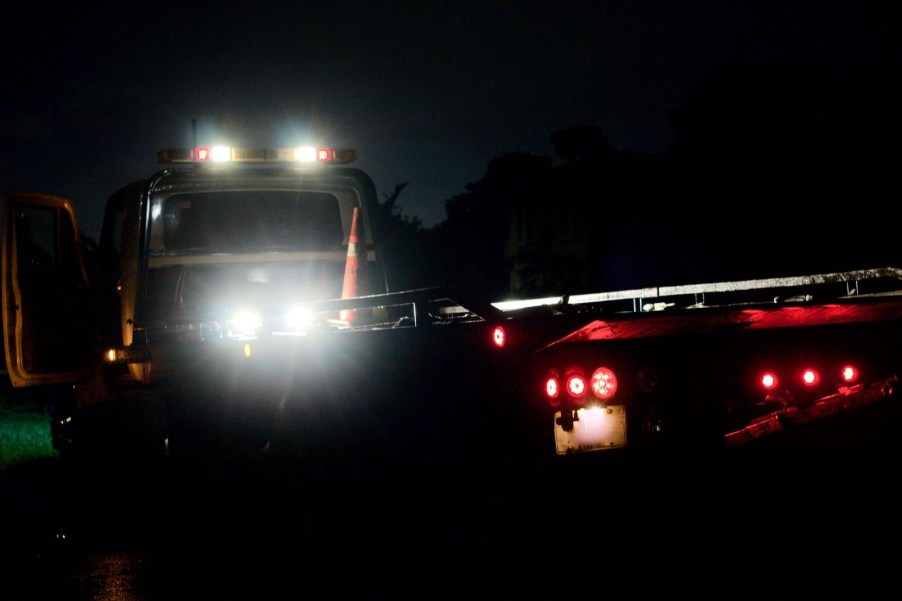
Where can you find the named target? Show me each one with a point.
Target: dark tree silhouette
(476, 231)
(582, 143)
(403, 243)
(778, 168)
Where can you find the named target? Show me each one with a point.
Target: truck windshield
(251, 220)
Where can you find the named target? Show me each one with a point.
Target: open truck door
(48, 309)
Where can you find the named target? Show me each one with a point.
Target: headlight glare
(245, 323)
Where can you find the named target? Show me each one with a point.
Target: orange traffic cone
(349, 285)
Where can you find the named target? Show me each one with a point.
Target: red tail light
(604, 383)
(553, 389)
(769, 381)
(576, 387)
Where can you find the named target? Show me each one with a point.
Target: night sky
(428, 92)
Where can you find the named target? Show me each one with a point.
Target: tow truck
(701, 370)
(235, 302)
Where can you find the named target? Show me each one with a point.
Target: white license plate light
(596, 429)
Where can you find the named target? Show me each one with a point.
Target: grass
(24, 430)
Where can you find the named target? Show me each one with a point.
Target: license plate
(596, 429)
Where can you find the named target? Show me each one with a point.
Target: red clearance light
(810, 377)
(499, 336)
(849, 373)
(769, 381)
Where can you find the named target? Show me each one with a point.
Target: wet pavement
(238, 531)
(819, 521)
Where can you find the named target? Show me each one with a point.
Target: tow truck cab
(218, 246)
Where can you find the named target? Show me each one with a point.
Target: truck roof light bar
(232, 154)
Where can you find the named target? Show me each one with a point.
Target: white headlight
(299, 319)
(245, 323)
